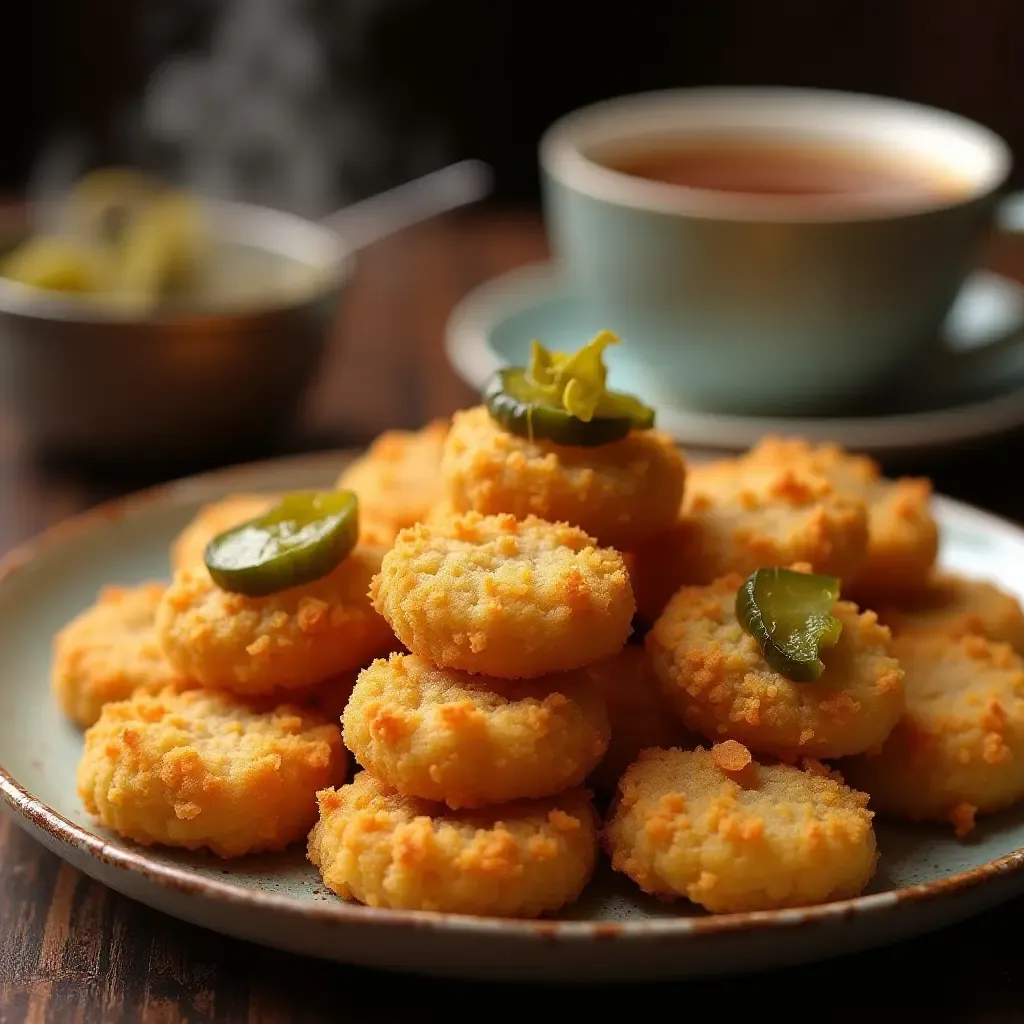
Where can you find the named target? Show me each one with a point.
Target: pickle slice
(790, 615)
(58, 264)
(299, 540)
(516, 407)
(563, 398)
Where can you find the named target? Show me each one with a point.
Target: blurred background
(306, 104)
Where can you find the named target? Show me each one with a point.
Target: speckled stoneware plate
(926, 877)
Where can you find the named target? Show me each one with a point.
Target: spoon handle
(368, 220)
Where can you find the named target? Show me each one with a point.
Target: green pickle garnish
(789, 614)
(564, 398)
(300, 540)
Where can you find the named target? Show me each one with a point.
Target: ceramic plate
(927, 878)
(493, 326)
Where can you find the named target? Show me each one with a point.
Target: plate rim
(468, 349)
(32, 813)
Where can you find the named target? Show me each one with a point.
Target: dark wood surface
(71, 950)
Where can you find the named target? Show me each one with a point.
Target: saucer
(494, 325)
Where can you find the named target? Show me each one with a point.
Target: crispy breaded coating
(620, 493)
(398, 480)
(469, 741)
(713, 673)
(502, 597)
(959, 748)
(903, 535)
(761, 838)
(189, 546)
(639, 715)
(738, 516)
(287, 641)
(516, 860)
(199, 768)
(108, 651)
(956, 606)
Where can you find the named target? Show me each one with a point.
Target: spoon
(360, 223)
(364, 222)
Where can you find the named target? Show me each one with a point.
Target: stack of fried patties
(475, 744)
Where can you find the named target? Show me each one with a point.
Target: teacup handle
(1008, 220)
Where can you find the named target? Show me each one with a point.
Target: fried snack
(638, 714)
(959, 749)
(621, 493)
(903, 535)
(713, 673)
(289, 641)
(956, 606)
(502, 597)
(760, 838)
(398, 480)
(738, 516)
(469, 741)
(202, 769)
(188, 547)
(517, 860)
(108, 651)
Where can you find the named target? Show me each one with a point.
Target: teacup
(757, 285)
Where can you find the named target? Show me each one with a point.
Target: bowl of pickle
(141, 322)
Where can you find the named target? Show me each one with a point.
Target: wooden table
(73, 951)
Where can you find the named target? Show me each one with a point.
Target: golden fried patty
(959, 749)
(109, 651)
(903, 537)
(468, 741)
(620, 493)
(740, 515)
(398, 480)
(202, 769)
(956, 606)
(687, 823)
(714, 674)
(504, 597)
(291, 640)
(516, 860)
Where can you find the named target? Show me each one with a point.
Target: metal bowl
(226, 371)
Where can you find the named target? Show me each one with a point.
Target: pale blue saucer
(952, 400)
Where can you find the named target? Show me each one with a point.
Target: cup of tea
(769, 251)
